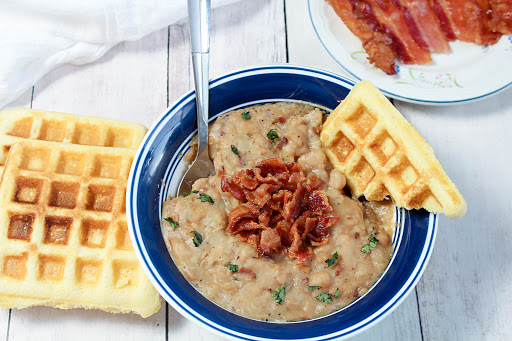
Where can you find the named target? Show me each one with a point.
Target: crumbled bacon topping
(281, 210)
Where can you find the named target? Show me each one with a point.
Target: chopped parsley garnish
(272, 135)
(278, 295)
(246, 115)
(198, 239)
(235, 278)
(331, 260)
(206, 198)
(173, 223)
(195, 192)
(327, 298)
(234, 149)
(313, 287)
(232, 267)
(371, 245)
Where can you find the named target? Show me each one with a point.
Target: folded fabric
(37, 36)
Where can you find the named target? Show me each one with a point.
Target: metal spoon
(199, 17)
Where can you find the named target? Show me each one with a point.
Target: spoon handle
(199, 18)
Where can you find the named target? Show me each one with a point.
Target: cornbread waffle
(22, 123)
(382, 155)
(63, 233)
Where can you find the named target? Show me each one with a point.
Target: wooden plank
(4, 322)
(130, 83)
(55, 324)
(182, 329)
(260, 22)
(466, 291)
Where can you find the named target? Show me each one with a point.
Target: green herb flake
(195, 192)
(326, 298)
(313, 287)
(366, 248)
(337, 293)
(198, 239)
(371, 245)
(279, 294)
(332, 260)
(206, 198)
(234, 149)
(235, 278)
(173, 223)
(232, 267)
(246, 115)
(272, 135)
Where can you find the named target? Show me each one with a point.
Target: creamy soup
(276, 286)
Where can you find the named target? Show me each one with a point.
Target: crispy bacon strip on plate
(391, 18)
(419, 15)
(378, 44)
(467, 19)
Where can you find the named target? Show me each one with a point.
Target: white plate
(468, 73)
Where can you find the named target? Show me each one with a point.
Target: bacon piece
(291, 208)
(303, 254)
(239, 213)
(501, 16)
(309, 226)
(313, 182)
(270, 242)
(246, 180)
(319, 233)
(392, 20)
(467, 19)
(284, 209)
(272, 166)
(231, 187)
(423, 24)
(248, 271)
(318, 202)
(293, 180)
(379, 45)
(281, 143)
(489, 36)
(261, 195)
(444, 21)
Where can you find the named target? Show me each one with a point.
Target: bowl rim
(150, 269)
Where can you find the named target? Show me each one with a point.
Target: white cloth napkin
(39, 35)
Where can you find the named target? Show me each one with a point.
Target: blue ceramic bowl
(156, 172)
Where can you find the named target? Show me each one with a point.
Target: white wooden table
(466, 291)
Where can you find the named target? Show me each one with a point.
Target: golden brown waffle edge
(64, 239)
(22, 123)
(383, 156)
